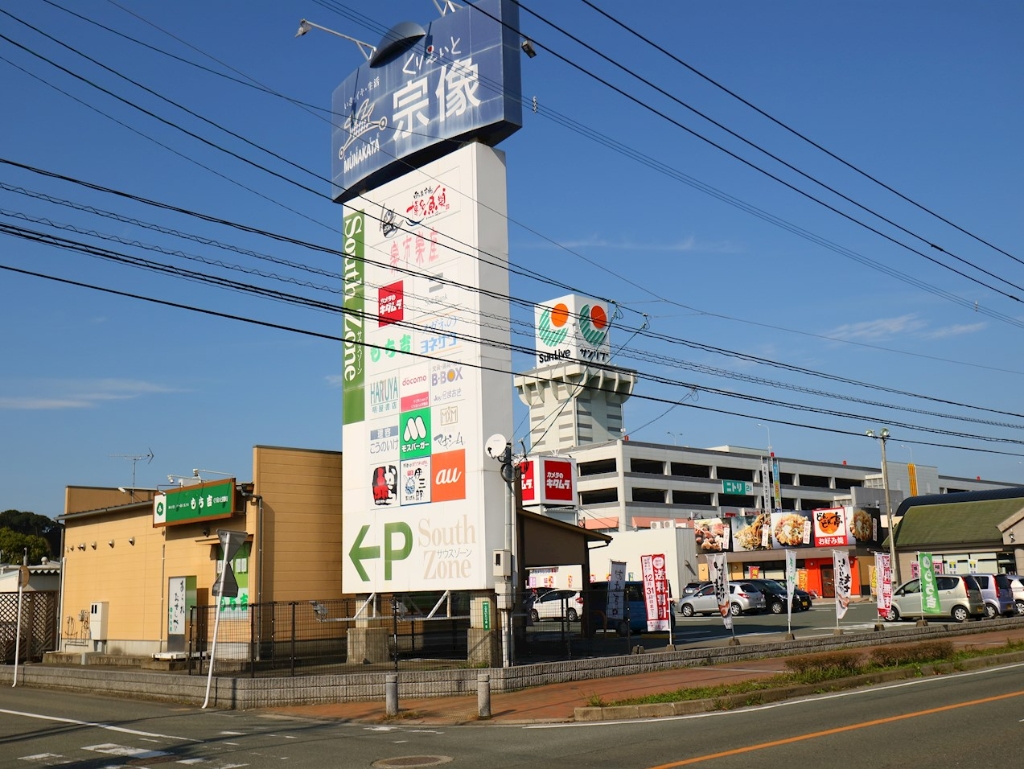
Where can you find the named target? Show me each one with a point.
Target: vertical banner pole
(17, 633)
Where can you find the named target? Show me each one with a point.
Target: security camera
(195, 472)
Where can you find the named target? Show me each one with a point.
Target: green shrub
(829, 664)
(894, 656)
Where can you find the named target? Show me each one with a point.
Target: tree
(36, 525)
(13, 545)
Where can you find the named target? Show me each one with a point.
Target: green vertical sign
(487, 615)
(353, 403)
(930, 603)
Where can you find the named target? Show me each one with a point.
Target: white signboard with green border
(426, 365)
(203, 501)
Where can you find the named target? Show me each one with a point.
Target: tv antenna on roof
(134, 458)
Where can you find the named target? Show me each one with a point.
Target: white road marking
(113, 749)
(783, 703)
(95, 725)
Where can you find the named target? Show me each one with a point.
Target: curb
(755, 698)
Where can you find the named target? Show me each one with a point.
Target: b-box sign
(573, 328)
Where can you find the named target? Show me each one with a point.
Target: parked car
(743, 598)
(775, 596)
(806, 599)
(1017, 589)
(634, 606)
(998, 595)
(557, 604)
(959, 596)
(693, 587)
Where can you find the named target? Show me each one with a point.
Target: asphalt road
(968, 719)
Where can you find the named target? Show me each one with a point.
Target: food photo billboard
(751, 532)
(425, 382)
(865, 526)
(711, 535)
(792, 529)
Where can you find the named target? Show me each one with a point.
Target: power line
(665, 360)
(331, 337)
(798, 134)
(622, 92)
(303, 301)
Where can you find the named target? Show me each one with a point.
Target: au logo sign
(448, 475)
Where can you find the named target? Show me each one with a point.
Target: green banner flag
(930, 603)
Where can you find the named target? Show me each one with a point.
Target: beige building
(129, 577)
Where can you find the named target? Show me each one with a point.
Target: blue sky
(924, 96)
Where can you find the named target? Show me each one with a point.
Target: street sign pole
(230, 542)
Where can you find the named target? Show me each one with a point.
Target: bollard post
(483, 695)
(391, 694)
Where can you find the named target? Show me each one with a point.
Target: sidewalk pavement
(557, 702)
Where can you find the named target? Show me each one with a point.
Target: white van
(959, 597)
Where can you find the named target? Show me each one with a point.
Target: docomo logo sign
(549, 481)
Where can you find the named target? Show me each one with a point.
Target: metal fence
(310, 637)
(409, 632)
(38, 625)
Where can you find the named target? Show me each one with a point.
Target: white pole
(213, 649)
(17, 633)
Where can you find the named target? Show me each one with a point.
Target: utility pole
(882, 437)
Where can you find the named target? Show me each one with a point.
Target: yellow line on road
(838, 730)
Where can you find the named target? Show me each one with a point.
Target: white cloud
(882, 328)
(335, 380)
(58, 394)
(687, 245)
(959, 330)
(29, 403)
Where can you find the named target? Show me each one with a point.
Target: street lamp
(766, 427)
(882, 437)
(910, 449)
(675, 436)
(365, 49)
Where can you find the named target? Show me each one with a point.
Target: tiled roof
(955, 523)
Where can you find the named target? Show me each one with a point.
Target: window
(816, 481)
(690, 471)
(735, 474)
(651, 496)
(599, 496)
(599, 467)
(914, 586)
(646, 466)
(691, 498)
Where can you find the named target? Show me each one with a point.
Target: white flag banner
(718, 573)
(615, 606)
(883, 584)
(790, 579)
(843, 581)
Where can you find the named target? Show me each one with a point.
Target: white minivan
(959, 597)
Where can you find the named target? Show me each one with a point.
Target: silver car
(743, 598)
(997, 594)
(959, 598)
(1017, 589)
